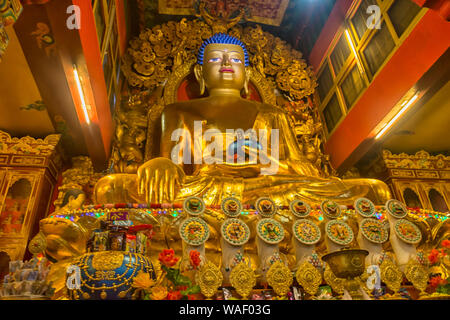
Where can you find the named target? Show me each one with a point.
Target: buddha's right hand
(159, 180)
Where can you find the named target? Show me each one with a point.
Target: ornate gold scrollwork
(417, 274)
(335, 283)
(309, 278)
(107, 260)
(391, 275)
(209, 278)
(243, 279)
(279, 277)
(162, 57)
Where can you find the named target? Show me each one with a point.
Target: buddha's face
(223, 67)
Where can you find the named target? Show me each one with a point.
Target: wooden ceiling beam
(51, 56)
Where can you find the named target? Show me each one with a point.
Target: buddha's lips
(226, 70)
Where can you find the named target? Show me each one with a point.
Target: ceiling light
(405, 107)
(81, 93)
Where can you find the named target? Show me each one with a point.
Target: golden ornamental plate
(364, 207)
(194, 206)
(309, 278)
(407, 231)
(299, 208)
(231, 206)
(270, 231)
(194, 231)
(243, 279)
(306, 231)
(330, 209)
(373, 230)
(339, 232)
(280, 278)
(265, 207)
(235, 232)
(396, 209)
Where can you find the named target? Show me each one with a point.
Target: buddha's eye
(214, 60)
(236, 60)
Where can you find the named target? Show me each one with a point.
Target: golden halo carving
(308, 277)
(243, 279)
(279, 277)
(209, 279)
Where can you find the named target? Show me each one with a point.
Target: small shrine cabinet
(28, 174)
(420, 180)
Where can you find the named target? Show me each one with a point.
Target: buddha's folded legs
(282, 189)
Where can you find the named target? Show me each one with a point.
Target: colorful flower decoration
(194, 258)
(143, 281)
(167, 258)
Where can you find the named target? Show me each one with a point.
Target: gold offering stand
(348, 264)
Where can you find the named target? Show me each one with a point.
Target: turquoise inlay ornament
(266, 207)
(373, 230)
(231, 206)
(194, 231)
(194, 206)
(407, 231)
(235, 232)
(364, 207)
(270, 231)
(396, 209)
(306, 231)
(330, 209)
(339, 232)
(299, 208)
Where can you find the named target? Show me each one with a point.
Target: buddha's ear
(247, 79)
(198, 72)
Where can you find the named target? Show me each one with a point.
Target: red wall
(426, 43)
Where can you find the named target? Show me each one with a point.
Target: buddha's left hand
(158, 180)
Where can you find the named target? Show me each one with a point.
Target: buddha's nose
(226, 60)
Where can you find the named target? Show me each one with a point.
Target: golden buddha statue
(245, 167)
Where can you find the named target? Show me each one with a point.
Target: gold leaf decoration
(209, 278)
(417, 274)
(243, 279)
(279, 277)
(335, 283)
(391, 275)
(309, 277)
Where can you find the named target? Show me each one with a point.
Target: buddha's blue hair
(221, 38)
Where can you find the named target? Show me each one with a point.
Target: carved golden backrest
(158, 61)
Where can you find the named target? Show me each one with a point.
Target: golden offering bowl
(348, 264)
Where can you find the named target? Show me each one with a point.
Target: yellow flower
(158, 293)
(143, 281)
